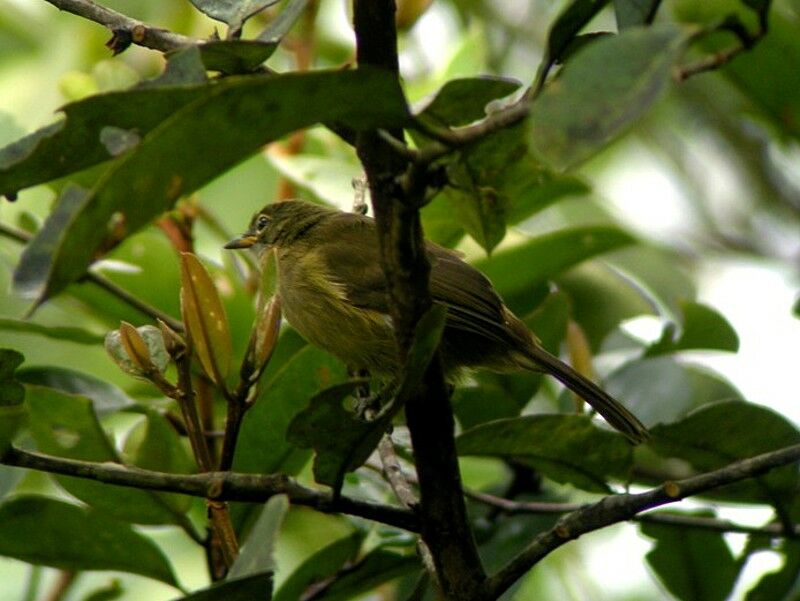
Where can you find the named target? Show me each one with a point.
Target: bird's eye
(262, 222)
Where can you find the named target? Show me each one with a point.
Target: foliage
(117, 209)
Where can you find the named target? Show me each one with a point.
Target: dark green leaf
(783, 583)
(498, 181)
(462, 101)
(66, 536)
(109, 592)
(341, 441)
(65, 425)
(321, 565)
(692, 564)
(78, 335)
(603, 89)
(106, 398)
(238, 116)
(257, 553)
(375, 569)
(720, 433)
(566, 448)
(662, 390)
(250, 588)
(630, 13)
(564, 29)
(702, 328)
(519, 269)
(184, 66)
(12, 395)
(235, 56)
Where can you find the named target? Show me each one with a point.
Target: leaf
(603, 90)
(462, 101)
(77, 335)
(342, 442)
(257, 553)
(281, 25)
(630, 13)
(108, 592)
(68, 537)
(516, 270)
(232, 12)
(662, 390)
(718, 434)
(106, 398)
(320, 566)
(12, 395)
(205, 319)
(783, 582)
(377, 568)
(65, 425)
(565, 448)
(249, 588)
(702, 328)
(690, 563)
(427, 335)
(235, 117)
(235, 56)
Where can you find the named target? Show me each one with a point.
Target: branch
(618, 508)
(141, 34)
(509, 507)
(219, 486)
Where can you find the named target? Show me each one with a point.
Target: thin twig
(141, 33)
(227, 486)
(618, 508)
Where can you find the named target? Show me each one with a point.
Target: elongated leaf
(106, 398)
(70, 334)
(635, 12)
(321, 565)
(721, 433)
(205, 319)
(232, 12)
(249, 588)
(257, 554)
(234, 117)
(12, 395)
(602, 91)
(702, 328)
(692, 564)
(281, 25)
(377, 568)
(566, 448)
(66, 426)
(462, 101)
(521, 268)
(45, 531)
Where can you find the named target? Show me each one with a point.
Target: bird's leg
(367, 404)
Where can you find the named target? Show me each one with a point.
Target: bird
(333, 291)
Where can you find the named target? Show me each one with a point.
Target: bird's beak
(245, 241)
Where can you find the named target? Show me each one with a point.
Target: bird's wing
(353, 262)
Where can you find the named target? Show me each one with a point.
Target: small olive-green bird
(334, 293)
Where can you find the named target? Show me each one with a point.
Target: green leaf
(375, 569)
(65, 425)
(341, 441)
(235, 117)
(107, 592)
(498, 181)
(106, 398)
(690, 563)
(630, 13)
(720, 433)
(249, 588)
(205, 319)
(68, 537)
(702, 328)
(232, 12)
(427, 335)
(601, 92)
(320, 566)
(662, 390)
(782, 583)
(235, 56)
(257, 553)
(566, 448)
(519, 269)
(280, 26)
(78, 335)
(184, 66)
(12, 395)
(462, 101)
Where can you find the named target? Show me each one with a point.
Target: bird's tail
(606, 405)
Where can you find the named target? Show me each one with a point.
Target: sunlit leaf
(68, 537)
(71, 334)
(702, 327)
